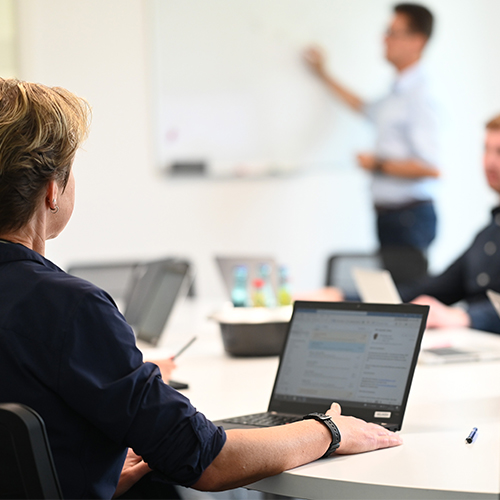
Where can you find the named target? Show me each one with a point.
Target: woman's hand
(134, 469)
(358, 436)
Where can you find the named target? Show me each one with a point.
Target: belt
(406, 206)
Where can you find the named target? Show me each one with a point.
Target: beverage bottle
(239, 293)
(258, 297)
(284, 293)
(267, 288)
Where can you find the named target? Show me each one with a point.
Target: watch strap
(328, 422)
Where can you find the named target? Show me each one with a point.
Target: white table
(445, 402)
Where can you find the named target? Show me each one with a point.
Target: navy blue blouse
(468, 278)
(67, 352)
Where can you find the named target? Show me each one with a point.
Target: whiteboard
(233, 93)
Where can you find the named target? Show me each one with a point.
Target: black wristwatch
(327, 420)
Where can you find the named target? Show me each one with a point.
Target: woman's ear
(52, 194)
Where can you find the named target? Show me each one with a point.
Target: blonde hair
(41, 129)
(494, 123)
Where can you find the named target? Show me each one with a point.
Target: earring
(54, 210)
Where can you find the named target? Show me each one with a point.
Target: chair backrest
(26, 466)
(406, 264)
(339, 266)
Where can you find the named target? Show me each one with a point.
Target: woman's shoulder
(54, 289)
(73, 287)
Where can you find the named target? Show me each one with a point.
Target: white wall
(100, 49)
(7, 39)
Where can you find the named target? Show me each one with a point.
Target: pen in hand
(472, 436)
(182, 349)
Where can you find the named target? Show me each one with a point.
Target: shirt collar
(15, 252)
(408, 77)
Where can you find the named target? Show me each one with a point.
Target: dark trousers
(405, 235)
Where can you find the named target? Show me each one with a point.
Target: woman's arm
(253, 454)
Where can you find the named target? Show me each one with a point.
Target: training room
(301, 217)
(218, 145)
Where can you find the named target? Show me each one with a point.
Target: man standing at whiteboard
(404, 163)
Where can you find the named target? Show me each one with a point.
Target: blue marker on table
(472, 436)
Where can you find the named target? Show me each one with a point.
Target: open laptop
(376, 286)
(362, 356)
(253, 265)
(146, 291)
(117, 278)
(153, 296)
(454, 352)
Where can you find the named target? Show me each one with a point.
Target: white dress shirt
(406, 124)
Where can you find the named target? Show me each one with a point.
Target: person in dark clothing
(67, 352)
(475, 271)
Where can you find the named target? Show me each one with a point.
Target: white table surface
(445, 402)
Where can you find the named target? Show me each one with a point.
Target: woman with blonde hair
(67, 352)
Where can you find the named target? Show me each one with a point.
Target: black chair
(339, 266)
(26, 465)
(405, 264)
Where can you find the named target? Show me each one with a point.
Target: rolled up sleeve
(102, 376)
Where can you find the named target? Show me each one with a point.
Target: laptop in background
(116, 278)
(362, 356)
(146, 291)
(454, 353)
(376, 286)
(253, 264)
(153, 297)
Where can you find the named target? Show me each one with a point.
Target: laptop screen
(154, 296)
(359, 355)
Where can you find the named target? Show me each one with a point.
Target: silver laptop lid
(376, 286)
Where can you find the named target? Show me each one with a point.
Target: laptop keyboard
(264, 419)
